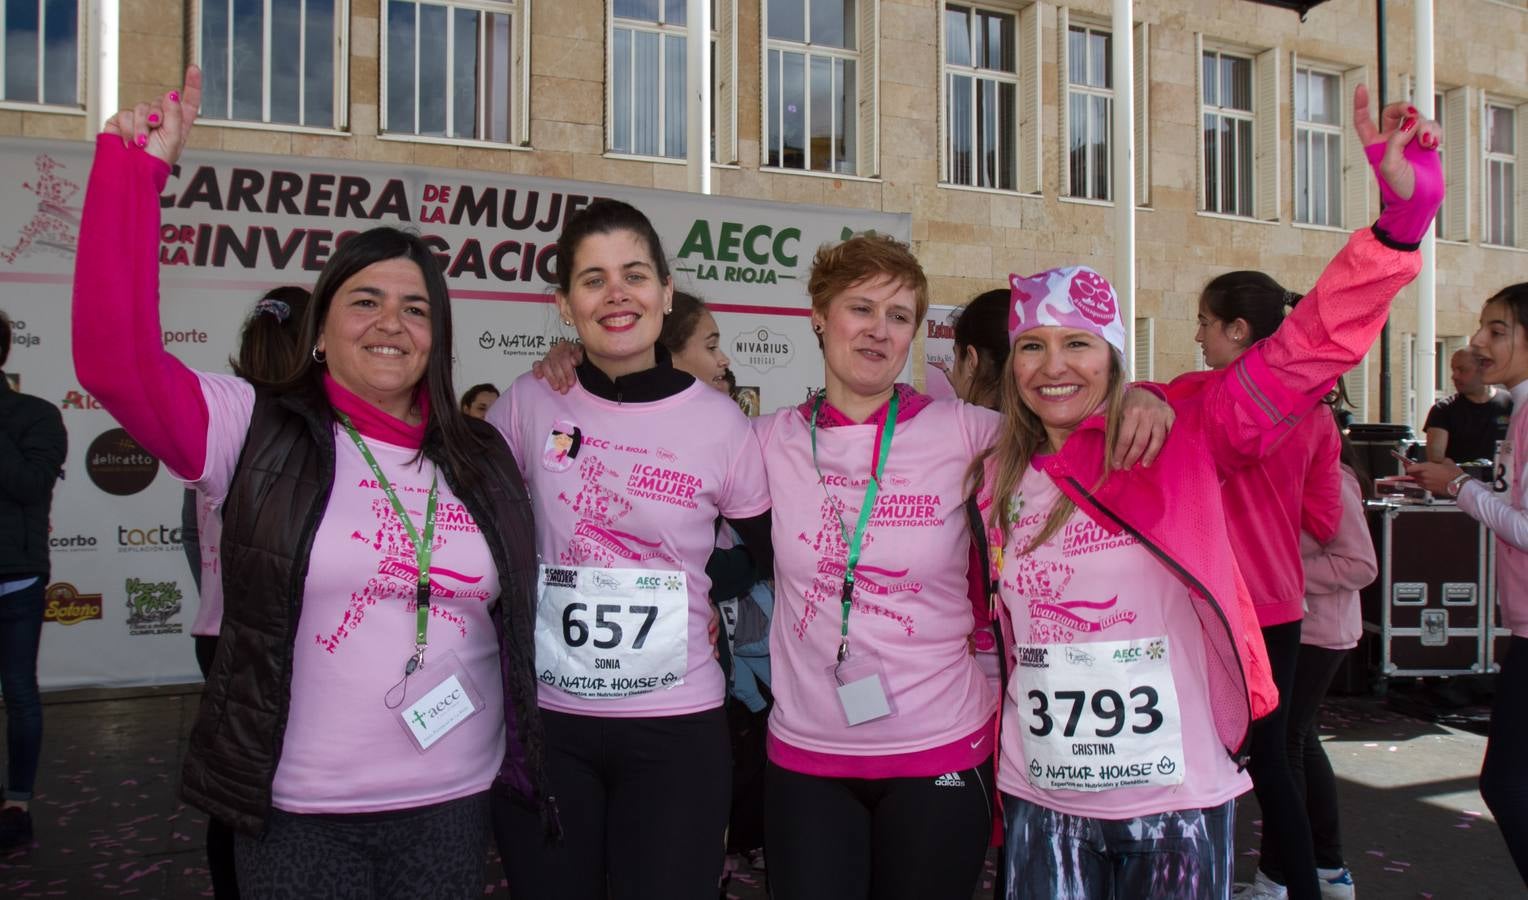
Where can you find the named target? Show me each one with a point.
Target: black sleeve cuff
(1391, 242)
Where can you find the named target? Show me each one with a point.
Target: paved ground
(108, 823)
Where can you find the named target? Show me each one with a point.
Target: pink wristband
(1405, 221)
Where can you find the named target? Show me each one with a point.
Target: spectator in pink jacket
(1140, 666)
(1502, 346)
(1334, 574)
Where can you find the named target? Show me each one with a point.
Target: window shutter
(1031, 125)
(1204, 200)
(724, 76)
(1357, 183)
(1520, 147)
(1456, 164)
(1266, 129)
(1142, 120)
(1064, 105)
(942, 100)
(1356, 381)
(868, 163)
(1143, 365)
(765, 100)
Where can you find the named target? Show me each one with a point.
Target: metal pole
(1384, 335)
(698, 94)
(1124, 171)
(101, 67)
(1424, 360)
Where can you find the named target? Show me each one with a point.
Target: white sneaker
(1261, 888)
(1336, 884)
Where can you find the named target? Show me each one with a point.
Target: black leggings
(220, 865)
(1286, 829)
(887, 839)
(1504, 775)
(1308, 764)
(643, 804)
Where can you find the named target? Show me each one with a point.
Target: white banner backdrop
(121, 598)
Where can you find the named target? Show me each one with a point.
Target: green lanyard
(421, 547)
(874, 487)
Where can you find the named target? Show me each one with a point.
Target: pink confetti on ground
(1379, 853)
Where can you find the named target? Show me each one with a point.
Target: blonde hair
(1022, 437)
(837, 267)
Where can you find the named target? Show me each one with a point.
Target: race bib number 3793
(607, 633)
(1099, 716)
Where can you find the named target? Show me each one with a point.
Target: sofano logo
(63, 604)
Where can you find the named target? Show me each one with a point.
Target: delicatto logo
(65, 605)
(118, 464)
(737, 254)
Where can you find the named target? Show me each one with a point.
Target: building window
(812, 85)
(453, 69)
(981, 98)
(1318, 147)
(1500, 128)
(42, 52)
(1090, 112)
(1228, 159)
(276, 61)
(648, 68)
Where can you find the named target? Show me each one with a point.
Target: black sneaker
(15, 828)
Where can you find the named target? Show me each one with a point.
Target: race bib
(1099, 716)
(607, 633)
(1501, 481)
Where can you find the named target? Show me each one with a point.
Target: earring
(318, 355)
(567, 322)
(817, 329)
(668, 310)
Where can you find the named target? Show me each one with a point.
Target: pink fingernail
(1408, 124)
(175, 96)
(153, 118)
(141, 140)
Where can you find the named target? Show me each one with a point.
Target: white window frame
(864, 107)
(1511, 233)
(723, 96)
(1249, 116)
(81, 14)
(519, 12)
(1305, 132)
(341, 84)
(977, 75)
(1071, 88)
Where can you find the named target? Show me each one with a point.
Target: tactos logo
(155, 537)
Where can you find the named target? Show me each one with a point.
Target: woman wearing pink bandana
(1139, 666)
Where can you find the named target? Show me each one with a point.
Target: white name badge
(608, 633)
(441, 709)
(860, 683)
(1098, 716)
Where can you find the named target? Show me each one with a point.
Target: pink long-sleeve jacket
(1335, 572)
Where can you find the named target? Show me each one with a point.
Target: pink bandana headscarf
(1073, 297)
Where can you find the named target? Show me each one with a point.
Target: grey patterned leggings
(1180, 855)
(431, 852)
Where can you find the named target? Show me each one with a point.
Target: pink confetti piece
(1379, 853)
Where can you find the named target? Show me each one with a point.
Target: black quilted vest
(279, 493)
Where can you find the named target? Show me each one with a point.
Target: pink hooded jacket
(1226, 420)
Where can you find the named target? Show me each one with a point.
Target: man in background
(33, 446)
(1467, 426)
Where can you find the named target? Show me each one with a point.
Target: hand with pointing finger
(162, 127)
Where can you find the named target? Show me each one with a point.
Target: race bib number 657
(606, 633)
(1099, 716)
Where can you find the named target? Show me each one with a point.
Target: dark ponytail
(983, 324)
(270, 346)
(1251, 296)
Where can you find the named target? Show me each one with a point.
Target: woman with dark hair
(269, 348)
(1501, 345)
(694, 340)
(478, 399)
(629, 471)
(981, 349)
(1296, 487)
(376, 554)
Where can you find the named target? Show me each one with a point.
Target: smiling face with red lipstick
(616, 299)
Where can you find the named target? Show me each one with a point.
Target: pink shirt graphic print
(633, 487)
(357, 629)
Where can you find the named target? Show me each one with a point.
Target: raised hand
(1403, 150)
(162, 127)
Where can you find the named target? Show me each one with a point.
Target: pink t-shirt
(632, 486)
(209, 538)
(1108, 636)
(911, 608)
(344, 751)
